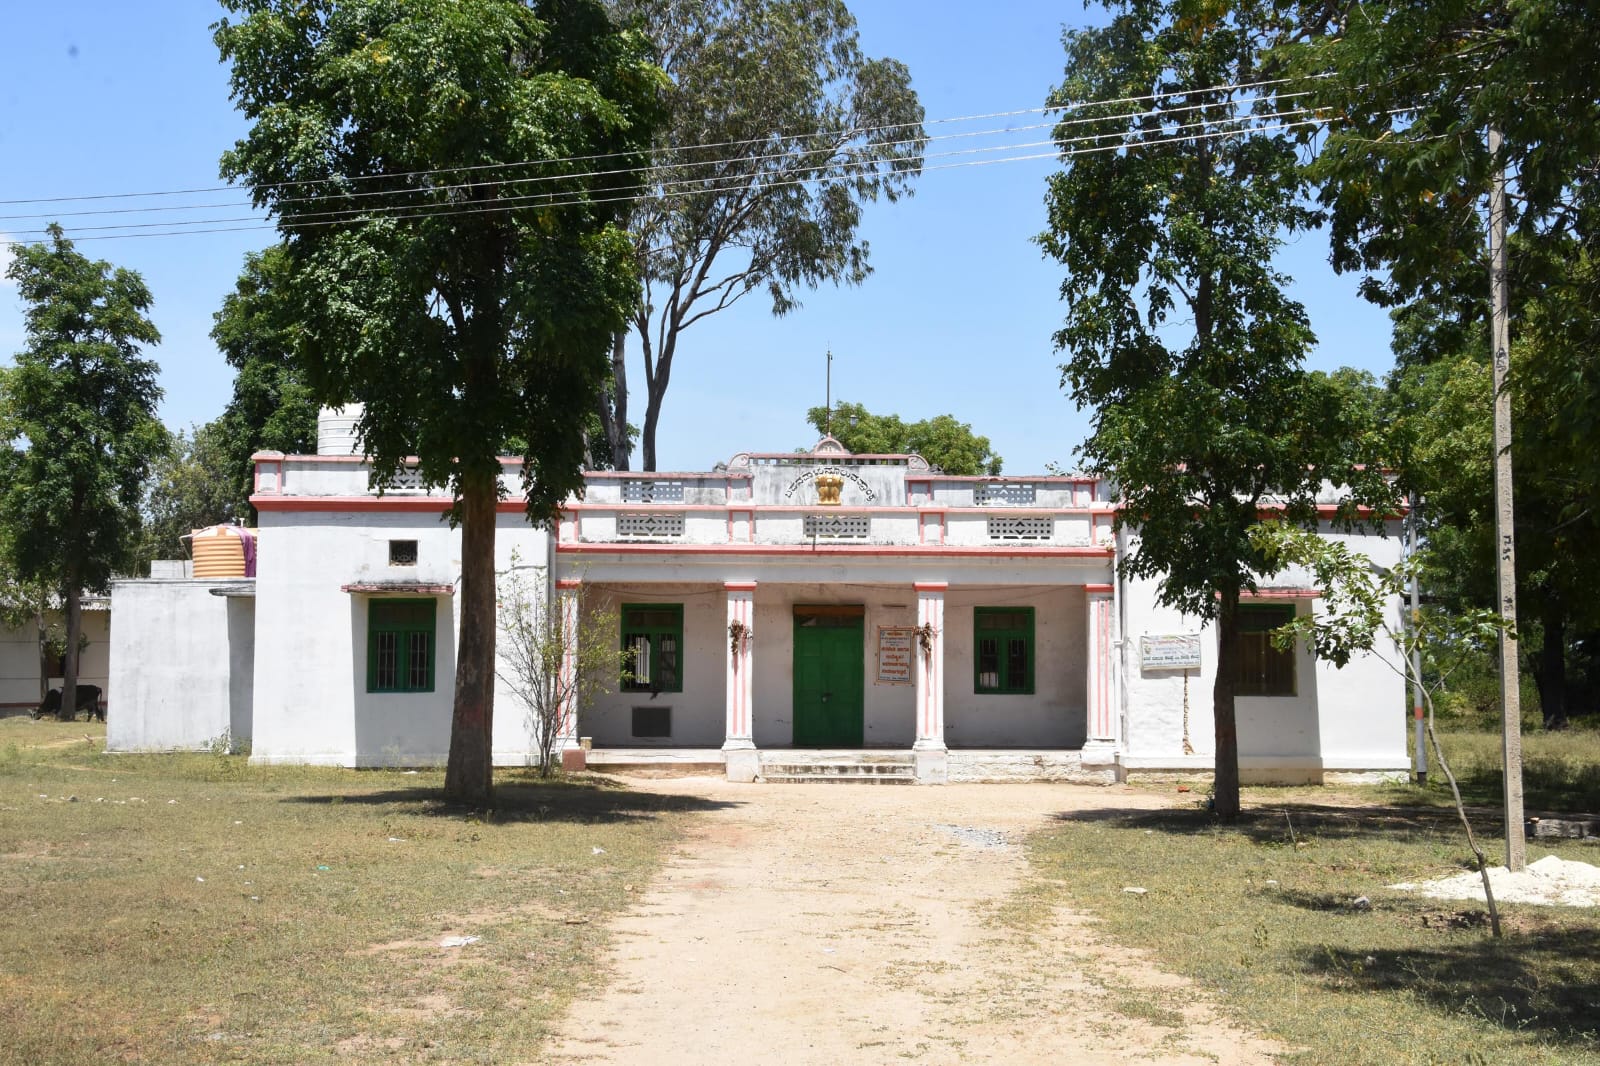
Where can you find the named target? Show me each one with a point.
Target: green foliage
(191, 487)
(453, 258)
(942, 440)
(799, 131)
(454, 299)
(272, 408)
(1179, 334)
(77, 419)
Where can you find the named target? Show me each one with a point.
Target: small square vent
(652, 721)
(402, 553)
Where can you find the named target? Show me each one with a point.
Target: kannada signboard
(894, 654)
(1175, 651)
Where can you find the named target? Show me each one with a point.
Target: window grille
(1020, 527)
(402, 553)
(1004, 495)
(838, 526)
(400, 643)
(652, 491)
(650, 526)
(652, 636)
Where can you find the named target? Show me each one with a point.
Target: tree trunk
(469, 774)
(656, 389)
(1552, 670)
(69, 674)
(45, 664)
(1226, 791)
(614, 403)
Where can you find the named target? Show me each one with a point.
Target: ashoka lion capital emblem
(828, 488)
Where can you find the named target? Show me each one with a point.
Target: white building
(950, 628)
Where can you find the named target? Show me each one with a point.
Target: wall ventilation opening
(1004, 495)
(650, 525)
(1020, 527)
(402, 553)
(838, 526)
(652, 722)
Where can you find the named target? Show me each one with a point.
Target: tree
(778, 132)
(1178, 331)
(1359, 616)
(77, 417)
(455, 259)
(946, 443)
(191, 487)
(535, 644)
(272, 408)
(1404, 170)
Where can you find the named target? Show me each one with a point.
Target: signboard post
(1175, 651)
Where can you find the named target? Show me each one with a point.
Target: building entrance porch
(969, 682)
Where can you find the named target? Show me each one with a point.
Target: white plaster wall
(171, 664)
(19, 660)
(311, 699)
(1352, 718)
(1056, 715)
(699, 718)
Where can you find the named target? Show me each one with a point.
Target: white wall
(1056, 715)
(172, 659)
(699, 717)
(311, 698)
(1339, 719)
(19, 660)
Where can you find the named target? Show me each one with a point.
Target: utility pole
(1419, 757)
(1505, 540)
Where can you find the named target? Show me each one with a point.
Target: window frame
(1260, 633)
(1006, 685)
(653, 634)
(376, 625)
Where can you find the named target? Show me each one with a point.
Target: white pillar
(931, 756)
(567, 590)
(738, 747)
(1100, 741)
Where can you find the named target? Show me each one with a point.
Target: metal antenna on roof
(827, 412)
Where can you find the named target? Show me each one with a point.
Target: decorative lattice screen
(652, 491)
(838, 526)
(1020, 527)
(650, 526)
(407, 480)
(1004, 495)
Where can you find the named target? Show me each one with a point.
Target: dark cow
(88, 700)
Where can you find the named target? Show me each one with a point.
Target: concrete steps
(795, 768)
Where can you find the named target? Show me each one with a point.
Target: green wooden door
(828, 676)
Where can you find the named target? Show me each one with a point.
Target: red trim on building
(412, 588)
(931, 586)
(569, 582)
(823, 550)
(1281, 594)
(739, 586)
(1100, 589)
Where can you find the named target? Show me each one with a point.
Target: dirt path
(841, 924)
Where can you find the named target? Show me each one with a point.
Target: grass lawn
(190, 908)
(1264, 914)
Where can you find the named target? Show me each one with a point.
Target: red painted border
(739, 586)
(931, 586)
(569, 582)
(1099, 589)
(823, 550)
(410, 589)
(1282, 594)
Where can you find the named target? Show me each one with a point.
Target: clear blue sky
(114, 97)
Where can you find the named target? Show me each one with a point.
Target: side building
(781, 609)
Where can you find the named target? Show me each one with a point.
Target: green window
(1003, 639)
(1259, 669)
(652, 637)
(400, 645)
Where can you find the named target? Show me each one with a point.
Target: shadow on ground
(586, 800)
(1530, 982)
(1286, 823)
